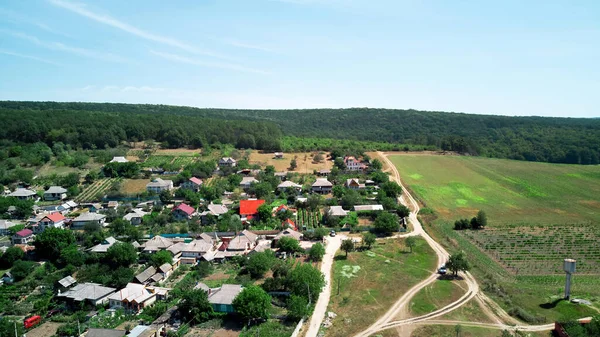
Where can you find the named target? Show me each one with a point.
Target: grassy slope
(439, 181)
(376, 285)
(509, 191)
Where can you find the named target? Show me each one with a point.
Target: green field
(509, 191)
(371, 281)
(436, 296)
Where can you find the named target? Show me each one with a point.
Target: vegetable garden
(540, 250)
(89, 194)
(308, 219)
(169, 161)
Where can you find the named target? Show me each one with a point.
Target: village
(122, 267)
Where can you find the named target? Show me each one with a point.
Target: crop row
(308, 219)
(99, 186)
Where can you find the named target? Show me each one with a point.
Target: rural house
(23, 237)
(289, 184)
(322, 186)
(103, 246)
(249, 209)
(336, 211)
(5, 225)
(353, 164)
(183, 212)
(145, 277)
(281, 175)
(227, 162)
(193, 251)
(221, 299)
(288, 223)
(288, 232)
(157, 243)
(66, 283)
(23, 194)
(55, 193)
(93, 293)
(158, 185)
(193, 184)
(135, 216)
(354, 184)
(88, 218)
(54, 220)
(247, 182)
(135, 297)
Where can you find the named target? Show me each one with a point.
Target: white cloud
(35, 58)
(66, 48)
(110, 21)
(221, 65)
(23, 19)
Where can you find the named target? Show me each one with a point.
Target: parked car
(53, 312)
(442, 270)
(332, 233)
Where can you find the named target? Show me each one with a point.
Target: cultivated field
(134, 186)
(90, 192)
(304, 160)
(370, 282)
(308, 220)
(509, 191)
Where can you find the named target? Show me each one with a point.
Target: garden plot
(89, 194)
(540, 250)
(308, 219)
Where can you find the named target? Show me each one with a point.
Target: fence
(298, 327)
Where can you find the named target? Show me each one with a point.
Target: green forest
(102, 125)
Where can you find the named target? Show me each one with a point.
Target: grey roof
(322, 182)
(105, 333)
(337, 211)
(216, 209)
(289, 233)
(103, 246)
(119, 160)
(177, 248)
(55, 190)
(88, 291)
(289, 183)
(165, 267)
(67, 281)
(157, 243)
(138, 330)
(145, 275)
(159, 183)
(89, 216)
(202, 286)
(368, 208)
(225, 294)
(135, 213)
(207, 238)
(280, 174)
(197, 246)
(251, 236)
(5, 224)
(248, 181)
(22, 192)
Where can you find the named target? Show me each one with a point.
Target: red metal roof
(250, 207)
(290, 223)
(280, 208)
(187, 209)
(55, 217)
(196, 180)
(24, 232)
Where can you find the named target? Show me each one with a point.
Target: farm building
(55, 193)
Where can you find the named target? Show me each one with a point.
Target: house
(92, 207)
(322, 186)
(221, 299)
(193, 251)
(227, 162)
(157, 243)
(166, 269)
(359, 208)
(112, 204)
(55, 193)
(281, 175)
(243, 242)
(176, 249)
(353, 164)
(249, 209)
(289, 184)
(135, 297)
(67, 206)
(193, 184)
(145, 277)
(247, 182)
(95, 332)
(288, 223)
(93, 293)
(135, 216)
(23, 237)
(23, 194)
(5, 225)
(336, 211)
(281, 209)
(215, 210)
(278, 155)
(103, 246)
(88, 218)
(183, 212)
(53, 220)
(158, 185)
(354, 184)
(290, 233)
(66, 282)
(324, 172)
(119, 160)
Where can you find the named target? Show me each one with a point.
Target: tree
(306, 281)
(11, 255)
(161, 257)
(121, 254)
(457, 262)
(458, 329)
(51, 242)
(194, 306)
(376, 164)
(369, 239)
(288, 245)
(293, 164)
(252, 303)
(391, 189)
(72, 256)
(259, 263)
(318, 158)
(481, 219)
(21, 269)
(313, 202)
(350, 199)
(264, 212)
(402, 211)
(347, 246)
(316, 252)
(410, 242)
(506, 333)
(386, 223)
(297, 307)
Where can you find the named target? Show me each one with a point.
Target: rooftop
(22, 192)
(225, 295)
(88, 291)
(250, 207)
(89, 216)
(56, 190)
(185, 208)
(322, 182)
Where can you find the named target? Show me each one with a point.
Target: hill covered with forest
(559, 140)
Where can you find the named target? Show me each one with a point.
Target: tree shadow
(551, 305)
(450, 277)
(340, 257)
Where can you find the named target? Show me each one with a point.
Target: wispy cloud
(221, 65)
(66, 48)
(16, 17)
(241, 44)
(81, 9)
(35, 58)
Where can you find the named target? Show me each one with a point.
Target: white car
(442, 270)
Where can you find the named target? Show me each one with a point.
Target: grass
(134, 186)
(522, 200)
(509, 191)
(304, 161)
(435, 296)
(370, 281)
(468, 312)
(466, 331)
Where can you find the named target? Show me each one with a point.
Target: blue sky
(490, 57)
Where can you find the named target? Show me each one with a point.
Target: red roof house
(289, 223)
(249, 208)
(183, 211)
(55, 217)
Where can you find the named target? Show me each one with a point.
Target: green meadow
(511, 192)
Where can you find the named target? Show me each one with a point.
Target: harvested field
(134, 186)
(304, 160)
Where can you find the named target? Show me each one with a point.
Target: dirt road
(333, 244)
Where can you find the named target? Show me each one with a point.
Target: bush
(316, 252)
(259, 263)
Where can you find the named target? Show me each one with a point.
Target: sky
(506, 57)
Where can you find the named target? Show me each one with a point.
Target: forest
(101, 125)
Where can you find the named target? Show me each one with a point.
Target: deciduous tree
(369, 239)
(347, 246)
(252, 303)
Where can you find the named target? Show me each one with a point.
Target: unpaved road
(333, 244)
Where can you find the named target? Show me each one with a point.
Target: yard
(304, 161)
(370, 281)
(95, 189)
(134, 186)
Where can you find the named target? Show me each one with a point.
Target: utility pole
(78, 328)
(16, 335)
